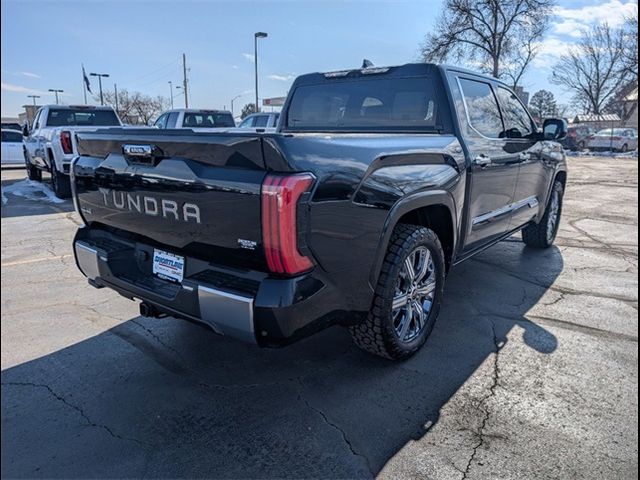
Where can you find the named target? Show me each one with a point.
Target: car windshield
(367, 105)
(207, 120)
(82, 117)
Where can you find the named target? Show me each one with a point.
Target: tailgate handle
(142, 154)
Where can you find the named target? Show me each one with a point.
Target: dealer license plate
(168, 266)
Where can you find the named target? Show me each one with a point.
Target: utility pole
(256, 36)
(232, 100)
(171, 92)
(34, 98)
(100, 75)
(115, 88)
(56, 91)
(184, 80)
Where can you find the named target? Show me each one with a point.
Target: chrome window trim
(531, 202)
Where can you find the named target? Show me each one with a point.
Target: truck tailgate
(193, 192)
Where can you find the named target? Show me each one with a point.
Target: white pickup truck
(50, 143)
(196, 119)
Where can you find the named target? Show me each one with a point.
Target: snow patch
(589, 153)
(30, 190)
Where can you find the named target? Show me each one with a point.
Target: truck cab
(196, 119)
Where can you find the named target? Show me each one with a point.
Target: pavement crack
(336, 427)
(482, 404)
(78, 409)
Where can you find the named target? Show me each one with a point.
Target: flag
(86, 80)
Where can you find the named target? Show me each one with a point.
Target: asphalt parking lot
(531, 372)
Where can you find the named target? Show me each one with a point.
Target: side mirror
(25, 130)
(554, 129)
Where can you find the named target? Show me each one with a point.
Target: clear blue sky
(140, 43)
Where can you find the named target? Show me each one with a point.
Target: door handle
(524, 156)
(482, 160)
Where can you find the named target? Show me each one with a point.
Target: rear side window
(161, 122)
(368, 105)
(517, 121)
(12, 137)
(81, 117)
(207, 120)
(482, 108)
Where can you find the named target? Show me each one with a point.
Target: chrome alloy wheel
(414, 294)
(554, 215)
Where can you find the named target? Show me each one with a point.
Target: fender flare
(404, 205)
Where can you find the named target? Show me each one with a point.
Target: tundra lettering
(132, 202)
(352, 211)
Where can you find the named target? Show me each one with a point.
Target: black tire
(378, 333)
(581, 146)
(33, 172)
(543, 234)
(60, 183)
(625, 148)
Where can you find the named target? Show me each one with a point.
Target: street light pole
(34, 98)
(256, 36)
(232, 100)
(56, 91)
(100, 75)
(171, 92)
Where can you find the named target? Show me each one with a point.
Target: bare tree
(498, 35)
(136, 107)
(630, 37)
(543, 104)
(594, 68)
(248, 109)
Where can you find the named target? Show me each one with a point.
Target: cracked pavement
(531, 371)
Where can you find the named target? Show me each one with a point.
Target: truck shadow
(164, 398)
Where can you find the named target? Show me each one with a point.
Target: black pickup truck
(376, 182)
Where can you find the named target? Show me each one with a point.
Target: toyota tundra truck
(49, 145)
(375, 184)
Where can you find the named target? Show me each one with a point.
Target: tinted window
(172, 120)
(366, 104)
(482, 108)
(12, 126)
(81, 117)
(261, 121)
(12, 137)
(207, 120)
(276, 117)
(517, 120)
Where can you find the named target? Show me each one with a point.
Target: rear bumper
(245, 305)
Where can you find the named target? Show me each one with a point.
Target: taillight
(280, 196)
(65, 141)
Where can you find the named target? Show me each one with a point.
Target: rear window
(11, 137)
(367, 105)
(207, 120)
(81, 118)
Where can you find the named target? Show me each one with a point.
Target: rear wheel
(408, 295)
(61, 183)
(625, 148)
(33, 173)
(543, 234)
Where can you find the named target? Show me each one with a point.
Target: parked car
(375, 184)
(261, 120)
(51, 143)
(12, 153)
(577, 137)
(195, 119)
(616, 139)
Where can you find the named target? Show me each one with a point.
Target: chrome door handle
(524, 156)
(482, 160)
